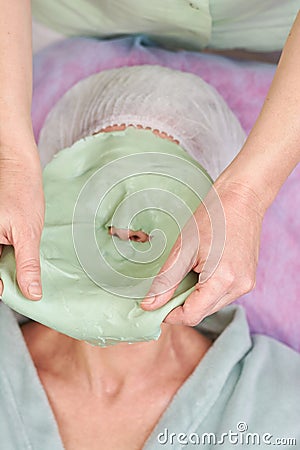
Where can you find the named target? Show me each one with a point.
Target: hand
(22, 214)
(223, 276)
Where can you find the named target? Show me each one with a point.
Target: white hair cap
(177, 103)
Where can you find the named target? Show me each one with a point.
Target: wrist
(249, 183)
(261, 168)
(15, 126)
(242, 195)
(17, 139)
(20, 153)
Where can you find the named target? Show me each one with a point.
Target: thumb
(181, 260)
(28, 268)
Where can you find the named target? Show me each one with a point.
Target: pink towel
(273, 307)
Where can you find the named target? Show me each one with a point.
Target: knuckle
(248, 283)
(177, 249)
(163, 283)
(30, 265)
(24, 235)
(230, 277)
(192, 321)
(4, 235)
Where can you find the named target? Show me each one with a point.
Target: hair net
(177, 103)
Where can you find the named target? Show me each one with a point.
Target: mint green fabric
(224, 24)
(173, 22)
(92, 282)
(256, 25)
(240, 379)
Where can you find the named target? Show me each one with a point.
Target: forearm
(15, 74)
(272, 149)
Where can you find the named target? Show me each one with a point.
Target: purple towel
(273, 307)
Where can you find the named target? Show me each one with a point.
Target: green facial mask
(93, 282)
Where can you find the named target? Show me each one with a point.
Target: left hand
(223, 276)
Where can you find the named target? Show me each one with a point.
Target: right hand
(22, 211)
(229, 270)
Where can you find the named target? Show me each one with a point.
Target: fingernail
(35, 289)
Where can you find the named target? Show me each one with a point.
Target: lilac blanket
(273, 307)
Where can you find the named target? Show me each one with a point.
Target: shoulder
(272, 358)
(268, 386)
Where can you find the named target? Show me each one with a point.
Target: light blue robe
(241, 382)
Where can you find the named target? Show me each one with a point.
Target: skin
(112, 397)
(21, 191)
(132, 235)
(120, 391)
(122, 381)
(246, 189)
(121, 233)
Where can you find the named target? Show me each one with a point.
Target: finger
(28, 269)
(200, 303)
(168, 279)
(180, 261)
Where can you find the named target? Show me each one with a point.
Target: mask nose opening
(127, 234)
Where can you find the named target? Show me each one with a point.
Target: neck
(108, 370)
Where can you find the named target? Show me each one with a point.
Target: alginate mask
(93, 282)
